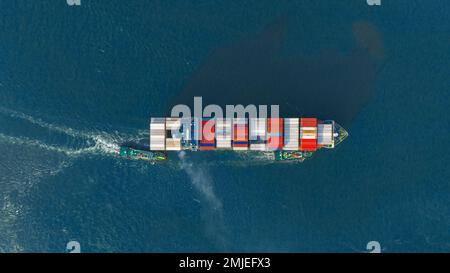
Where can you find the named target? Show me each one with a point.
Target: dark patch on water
(330, 85)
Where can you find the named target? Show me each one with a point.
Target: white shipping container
(258, 147)
(157, 134)
(325, 134)
(173, 123)
(308, 132)
(223, 144)
(257, 128)
(173, 144)
(223, 133)
(291, 134)
(240, 121)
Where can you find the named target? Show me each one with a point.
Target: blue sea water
(77, 80)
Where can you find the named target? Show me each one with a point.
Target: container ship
(283, 139)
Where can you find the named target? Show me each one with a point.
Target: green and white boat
(141, 152)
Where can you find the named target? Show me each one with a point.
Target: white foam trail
(100, 141)
(41, 123)
(201, 181)
(63, 129)
(9, 214)
(203, 184)
(106, 145)
(100, 146)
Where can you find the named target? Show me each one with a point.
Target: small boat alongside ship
(140, 151)
(284, 139)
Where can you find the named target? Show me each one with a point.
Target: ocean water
(77, 80)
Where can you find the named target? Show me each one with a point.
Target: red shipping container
(308, 122)
(309, 145)
(207, 142)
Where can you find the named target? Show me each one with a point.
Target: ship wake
(213, 215)
(82, 142)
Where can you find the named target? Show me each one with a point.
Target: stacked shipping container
(240, 134)
(223, 133)
(308, 134)
(207, 141)
(258, 134)
(324, 134)
(291, 134)
(173, 135)
(157, 134)
(274, 133)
